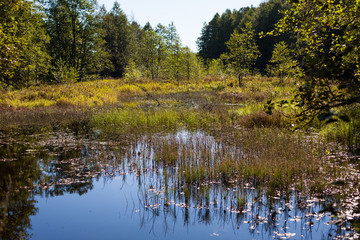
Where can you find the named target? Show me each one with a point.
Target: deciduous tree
(328, 34)
(73, 26)
(23, 56)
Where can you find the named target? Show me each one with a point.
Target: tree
(282, 64)
(153, 51)
(214, 35)
(215, 68)
(175, 52)
(36, 64)
(328, 34)
(23, 57)
(191, 66)
(76, 43)
(117, 37)
(265, 17)
(243, 51)
(11, 39)
(208, 41)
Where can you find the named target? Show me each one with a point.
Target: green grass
(125, 120)
(272, 156)
(344, 132)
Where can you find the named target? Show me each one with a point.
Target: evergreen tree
(243, 51)
(214, 35)
(265, 18)
(117, 37)
(282, 64)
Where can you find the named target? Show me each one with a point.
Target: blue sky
(187, 15)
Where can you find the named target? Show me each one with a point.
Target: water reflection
(19, 172)
(165, 199)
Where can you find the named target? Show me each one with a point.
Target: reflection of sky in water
(135, 206)
(112, 211)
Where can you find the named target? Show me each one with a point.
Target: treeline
(316, 41)
(51, 41)
(212, 43)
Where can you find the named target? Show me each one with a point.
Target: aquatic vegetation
(345, 131)
(209, 147)
(251, 177)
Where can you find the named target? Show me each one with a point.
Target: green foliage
(36, 58)
(343, 126)
(23, 56)
(217, 32)
(190, 65)
(282, 63)
(174, 54)
(328, 34)
(265, 17)
(243, 51)
(131, 71)
(346, 133)
(63, 73)
(153, 50)
(73, 26)
(163, 56)
(12, 41)
(215, 68)
(117, 36)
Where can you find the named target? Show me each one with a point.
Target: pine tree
(243, 51)
(282, 64)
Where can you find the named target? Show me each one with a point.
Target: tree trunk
(240, 79)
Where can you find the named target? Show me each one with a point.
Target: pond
(61, 186)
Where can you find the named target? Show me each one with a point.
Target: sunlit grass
(155, 119)
(270, 156)
(103, 92)
(269, 159)
(88, 94)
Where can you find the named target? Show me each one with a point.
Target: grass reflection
(264, 181)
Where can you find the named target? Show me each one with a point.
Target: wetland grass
(231, 139)
(266, 158)
(267, 154)
(203, 148)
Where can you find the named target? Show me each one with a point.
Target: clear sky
(188, 16)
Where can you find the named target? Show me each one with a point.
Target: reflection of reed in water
(183, 181)
(196, 178)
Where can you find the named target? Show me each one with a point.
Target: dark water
(61, 187)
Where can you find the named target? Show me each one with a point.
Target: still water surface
(63, 188)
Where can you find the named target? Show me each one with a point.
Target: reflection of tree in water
(165, 196)
(27, 171)
(65, 172)
(18, 172)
